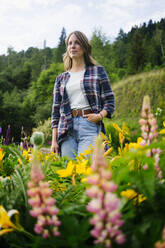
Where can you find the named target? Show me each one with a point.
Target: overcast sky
(26, 23)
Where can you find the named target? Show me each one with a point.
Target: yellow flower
(88, 171)
(108, 151)
(136, 145)
(81, 167)
(130, 194)
(6, 225)
(19, 161)
(117, 128)
(141, 198)
(46, 157)
(68, 171)
(103, 136)
(2, 154)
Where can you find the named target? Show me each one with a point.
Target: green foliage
(136, 59)
(130, 92)
(61, 48)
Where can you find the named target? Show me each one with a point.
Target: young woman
(82, 98)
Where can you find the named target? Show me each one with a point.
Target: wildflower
(108, 151)
(6, 225)
(104, 203)
(2, 154)
(131, 194)
(149, 132)
(42, 203)
(68, 171)
(148, 122)
(163, 130)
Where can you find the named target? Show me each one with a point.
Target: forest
(27, 77)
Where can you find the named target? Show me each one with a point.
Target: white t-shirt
(76, 97)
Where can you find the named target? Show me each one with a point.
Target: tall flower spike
(104, 203)
(40, 198)
(149, 132)
(148, 122)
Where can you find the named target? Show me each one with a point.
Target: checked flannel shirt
(96, 89)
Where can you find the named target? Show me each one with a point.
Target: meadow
(115, 200)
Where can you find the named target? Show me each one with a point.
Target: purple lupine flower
(8, 134)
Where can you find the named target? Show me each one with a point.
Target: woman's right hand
(54, 147)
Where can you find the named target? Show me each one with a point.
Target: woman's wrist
(101, 115)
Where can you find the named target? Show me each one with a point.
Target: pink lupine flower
(148, 122)
(41, 201)
(149, 132)
(93, 179)
(104, 203)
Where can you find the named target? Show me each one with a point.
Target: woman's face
(74, 49)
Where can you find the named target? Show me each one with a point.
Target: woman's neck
(77, 65)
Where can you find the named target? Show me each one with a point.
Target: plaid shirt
(96, 89)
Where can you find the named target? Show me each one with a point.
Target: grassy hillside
(129, 95)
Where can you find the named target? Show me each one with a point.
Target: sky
(27, 23)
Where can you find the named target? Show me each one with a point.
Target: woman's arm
(107, 94)
(54, 146)
(55, 115)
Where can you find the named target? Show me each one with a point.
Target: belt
(80, 112)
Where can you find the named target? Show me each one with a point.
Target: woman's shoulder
(96, 68)
(61, 75)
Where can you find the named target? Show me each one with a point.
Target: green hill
(129, 95)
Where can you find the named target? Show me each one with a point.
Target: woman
(82, 98)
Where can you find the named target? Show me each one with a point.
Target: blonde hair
(84, 43)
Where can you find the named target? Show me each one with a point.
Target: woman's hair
(84, 43)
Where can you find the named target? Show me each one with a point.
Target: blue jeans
(83, 134)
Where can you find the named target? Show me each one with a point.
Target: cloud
(25, 23)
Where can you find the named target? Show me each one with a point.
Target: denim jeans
(83, 134)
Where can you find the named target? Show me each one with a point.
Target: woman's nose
(73, 44)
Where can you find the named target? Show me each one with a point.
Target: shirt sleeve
(107, 95)
(56, 104)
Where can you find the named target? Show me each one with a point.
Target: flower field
(113, 198)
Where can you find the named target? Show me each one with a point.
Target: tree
(61, 47)
(136, 60)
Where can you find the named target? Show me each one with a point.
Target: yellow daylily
(81, 167)
(136, 145)
(2, 154)
(68, 171)
(163, 130)
(6, 225)
(130, 194)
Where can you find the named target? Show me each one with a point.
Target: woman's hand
(93, 117)
(54, 147)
